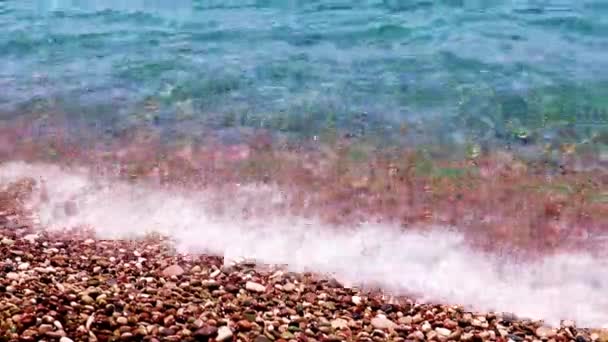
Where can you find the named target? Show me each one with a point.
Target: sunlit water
(478, 70)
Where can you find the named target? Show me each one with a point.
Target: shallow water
(465, 69)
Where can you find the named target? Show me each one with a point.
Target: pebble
(356, 300)
(89, 321)
(173, 271)
(31, 238)
(478, 323)
(381, 322)
(65, 339)
(339, 323)
(205, 332)
(289, 287)
(502, 331)
(406, 320)
(8, 242)
(467, 336)
(245, 325)
(44, 328)
(287, 335)
(450, 324)
(12, 276)
(443, 332)
(87, 299)
(223, 333)
(492, 335)
(169, 320)
(416, 335)
(568, 324)
(23, 266)
(210, 284)
(255, 287)
(545, 332)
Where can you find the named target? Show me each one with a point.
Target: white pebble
(223, 333)
(381, 322)
(443, 332)
(6, 241)
(31, 238)
(12, 276)
(255, 287)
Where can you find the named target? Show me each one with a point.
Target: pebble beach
(68, 286)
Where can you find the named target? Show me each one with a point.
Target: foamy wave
(437, 264)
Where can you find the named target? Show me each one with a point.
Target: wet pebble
(223, 333)
(173, 271)
(255, 287)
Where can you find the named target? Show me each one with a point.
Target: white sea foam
(436, 264)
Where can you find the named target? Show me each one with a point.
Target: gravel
(78, 288)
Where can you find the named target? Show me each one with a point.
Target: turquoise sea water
(452, 70)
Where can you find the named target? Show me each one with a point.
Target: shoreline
(96, 290)
(403, 192)
(384, 260)
(500, 200)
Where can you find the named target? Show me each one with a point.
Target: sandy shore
(68, 286)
